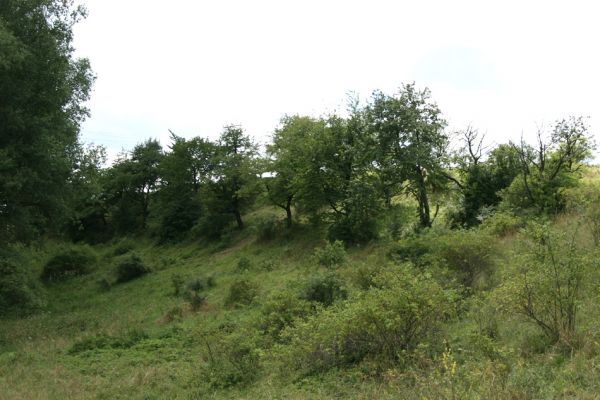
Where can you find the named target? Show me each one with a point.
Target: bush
(193, 293)
(19, 293)
(177, 281)
(280, 311)
(324, 289)
(232, 360)
(383, 324)
(130, 268)
(244, 264)
(123, 247)
(502, 223)
(267, 228)
(241, 293)
(103, 341)
(331, 255)
(68, 263)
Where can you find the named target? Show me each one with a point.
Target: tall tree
(411, 145)
(43, 88)
(235, 172)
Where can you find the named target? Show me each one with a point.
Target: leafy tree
(131, 182)
(407, 130)
(550, 167)
(42, 91)
(183, 172)
(235, 174)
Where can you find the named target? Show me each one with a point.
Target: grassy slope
(35, 362)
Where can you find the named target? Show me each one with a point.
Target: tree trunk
(236, 212)
(288, 211)
(424, 211)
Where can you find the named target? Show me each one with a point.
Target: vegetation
(357, 257)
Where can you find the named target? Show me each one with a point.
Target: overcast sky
(504, 67)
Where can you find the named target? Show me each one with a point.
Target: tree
(131, 183)
(550, 166)
(407, 129)
(183, 172)
(43, 88)
(235, 173)
(289, 157)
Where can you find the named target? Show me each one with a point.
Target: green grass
(127, 343)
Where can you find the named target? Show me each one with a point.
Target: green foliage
(43, 88)
(69, 263)
(244, 264)
(503, 223)
(546, 287)
(324, 289)
(103, 341)
(20, 294)
(385, 324)
(267, 228)
(178, 281)
(233, 360)
(123, 247)
(194, 289)
(280, 311)
(241, 293)
(130, 267)
(331, 255)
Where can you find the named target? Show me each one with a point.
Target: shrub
(130, 268)
(324, 289)
(267, 228)
(193, 293)
(331, 255)
(19, 293)
(546, 287)
(177, 281)
(244, 264)
(502, 223)
(232, 360)
(68, 263)
(123, 247)
(241, 292)
(103, 341)
(384, 324)
(280, 311)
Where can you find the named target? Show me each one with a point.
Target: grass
(82, 346)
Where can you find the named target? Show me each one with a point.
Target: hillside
(99, 339)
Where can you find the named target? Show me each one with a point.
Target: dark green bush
(244, 264)
(280, 311)
(68, 263)
(193, 291)
(233, 360)
(331, 254)
(267, 228)
(130, 268)
(103, 341)
(178, 282)
(324, 289)
(384, 324)
(241, 292)
(123, 247)
(19, 293)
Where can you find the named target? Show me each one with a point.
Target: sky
(506, 68)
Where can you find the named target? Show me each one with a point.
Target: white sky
(505, 67)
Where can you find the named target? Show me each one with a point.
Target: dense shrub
(385, 324)
(244, 264)
(194, 289)
(241, 292)
(232, 360)
(502, 223)
(267, 228)
(130, 268)
(123, 247)
(68, 263)
(280, 311)
(324, 289)
(19, 293)
(331, 254)
(103, 341)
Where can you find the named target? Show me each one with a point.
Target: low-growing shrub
(231, 360)
(384, 324)
(177, 282)
(324, 289)
(267, 228)
(123, 247)
(241, 292)
(103, 341)
(244, 264)
(502, 223)
(68, 263)
(19, 293)
(331, 254)
(130, 268)
(280, 311)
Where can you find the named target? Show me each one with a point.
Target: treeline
(347, 172)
